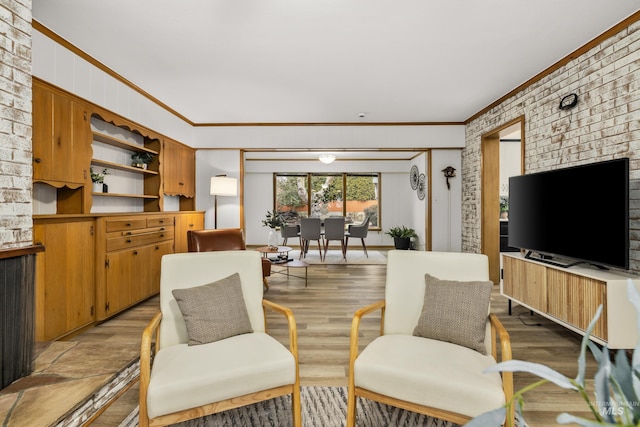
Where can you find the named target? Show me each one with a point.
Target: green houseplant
(97, 178)
(504, 207)
(141, 159)
(401, 236)
(273, 220)
(616, 383)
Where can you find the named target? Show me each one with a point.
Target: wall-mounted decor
(413, 177)
(449, 172)
(422, 187)
(568, 102)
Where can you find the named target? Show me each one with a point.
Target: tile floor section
(70, 382)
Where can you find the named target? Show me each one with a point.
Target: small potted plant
(504, 207)
(401, 236)
(272, 220)
(97, 178)
(141, 159)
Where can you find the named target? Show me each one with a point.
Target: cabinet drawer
(125, 224)
(133, 240)
(159, 221)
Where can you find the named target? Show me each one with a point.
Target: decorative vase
(272, 239)
(97, 187)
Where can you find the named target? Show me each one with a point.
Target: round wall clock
(413, 177)
(422, 187)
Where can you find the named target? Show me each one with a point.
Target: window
(353, 196)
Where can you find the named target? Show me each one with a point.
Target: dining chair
(334, 230)
(289, 230)
(359, 231)
(310, 229)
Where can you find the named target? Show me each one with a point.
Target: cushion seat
(428, 372)
(235, 366)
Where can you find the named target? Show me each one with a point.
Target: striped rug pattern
(321, 407)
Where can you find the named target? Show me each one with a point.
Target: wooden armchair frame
(152, 332)
(497, 331)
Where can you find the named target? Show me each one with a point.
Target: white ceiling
(325, 61)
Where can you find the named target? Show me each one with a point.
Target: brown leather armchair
(223, 239)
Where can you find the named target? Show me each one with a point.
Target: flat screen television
(579, 214)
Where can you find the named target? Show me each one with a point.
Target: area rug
(321, 407)
(334, 256)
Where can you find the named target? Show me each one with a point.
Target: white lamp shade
(224, 186)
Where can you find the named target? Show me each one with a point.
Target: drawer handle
(135, 252)
(37, 160)
(157, 248)
(162, 235)
(128, 224)
(161, 221)
(128, 233)
(162, 229)
(128, 240)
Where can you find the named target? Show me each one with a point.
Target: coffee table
(279, 257)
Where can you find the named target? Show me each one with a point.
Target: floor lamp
(222, 185)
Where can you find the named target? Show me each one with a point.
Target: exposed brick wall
(605, 125)
(15, 123)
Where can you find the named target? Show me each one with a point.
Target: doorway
(495, 171)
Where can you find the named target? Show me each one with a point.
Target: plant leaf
(565, 418)
(624, 378)
(582, 364)
(489, 419)
(601, 385)
(534, 368)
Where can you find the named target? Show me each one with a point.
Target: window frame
(308, 177)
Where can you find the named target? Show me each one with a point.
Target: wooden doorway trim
(490, 197)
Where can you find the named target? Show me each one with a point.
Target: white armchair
(190, 381)
(430, 376)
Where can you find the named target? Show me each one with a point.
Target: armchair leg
(351, 407)
(295, 403)
(266, 282)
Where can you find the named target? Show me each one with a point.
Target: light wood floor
(323, 314)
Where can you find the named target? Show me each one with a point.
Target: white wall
(61, 67)
(327, 137)
(210, 163)
(446, 206)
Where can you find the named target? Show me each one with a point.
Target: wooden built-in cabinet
(179, 169)
(184, 223)
(65, 276)
(571, 296)
(128, 254)
(97, 264)
(61, 154)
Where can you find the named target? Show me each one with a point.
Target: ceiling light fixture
(326, 158)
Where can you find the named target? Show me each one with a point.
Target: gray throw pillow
(455, 312)
(215, 311)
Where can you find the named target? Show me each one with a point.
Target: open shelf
(130, 196)
(119, 166)
(110, 140)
